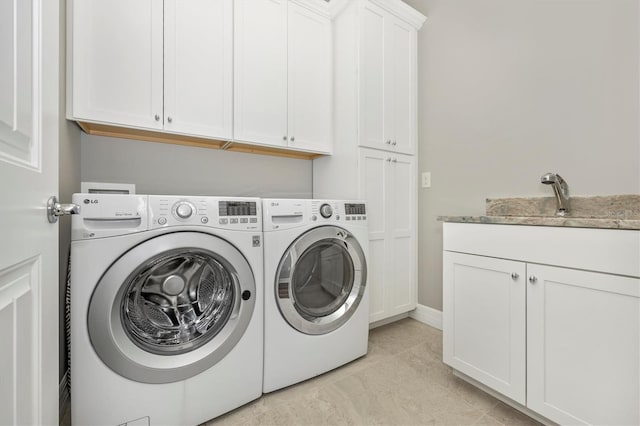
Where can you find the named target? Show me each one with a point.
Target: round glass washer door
(171, 307)
(321, 280)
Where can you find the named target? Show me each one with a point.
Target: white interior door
(29, 80)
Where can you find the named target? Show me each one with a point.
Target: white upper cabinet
(400, 86)
(260, 84)
(387, 81)
(116, 62)
(309, 77)
(283, 75)
(372, 71)
(153, 64)
(198, 74)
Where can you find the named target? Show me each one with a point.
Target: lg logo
(88, 201)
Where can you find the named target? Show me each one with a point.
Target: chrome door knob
(169, 119)
(394, 143)
(514, 276)
(388, 142)
(533, 279)
(293, 138)
(157, 117)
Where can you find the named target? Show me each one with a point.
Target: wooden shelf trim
(170, 138)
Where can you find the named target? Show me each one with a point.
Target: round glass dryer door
(171, 307)
(321, 280)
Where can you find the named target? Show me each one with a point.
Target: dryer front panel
(321, 280)
(171, 307)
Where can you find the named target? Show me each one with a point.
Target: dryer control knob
(326, 211)
(184, 210)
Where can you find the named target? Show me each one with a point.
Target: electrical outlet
(426, 179)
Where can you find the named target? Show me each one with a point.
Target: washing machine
(166, 308)
(316, 297)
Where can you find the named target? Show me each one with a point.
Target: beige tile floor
(401, 381)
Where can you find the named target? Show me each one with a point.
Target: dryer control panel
(292, 213)
(215, 212)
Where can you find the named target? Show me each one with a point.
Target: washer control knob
(326, 211)
(162, 221)
(184, 210)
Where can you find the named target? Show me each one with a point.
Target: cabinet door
(117, 62)
(372, 51)
(373, 166)
(198, 48)
(400, 85)
(484, 318)
(309, 80)
(401, 236)
(583, 346)
(260, 71)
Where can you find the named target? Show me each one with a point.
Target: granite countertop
(608, 212)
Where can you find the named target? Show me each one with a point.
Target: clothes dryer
(316, 296)
(166, 308)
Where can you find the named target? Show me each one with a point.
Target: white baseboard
(427, 315)
(64, 395)
(386, 321)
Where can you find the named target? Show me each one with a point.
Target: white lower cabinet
(388, 183)
(485, 321)
(583, 337)
(563, 342)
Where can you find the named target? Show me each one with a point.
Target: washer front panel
(171, 307)
(321, 280)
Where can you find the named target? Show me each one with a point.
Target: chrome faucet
(560, 189)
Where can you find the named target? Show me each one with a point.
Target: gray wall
(509, 90)
(158, 168)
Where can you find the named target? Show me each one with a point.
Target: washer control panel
(216, 212)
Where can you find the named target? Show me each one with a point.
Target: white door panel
(117, 62)
(309, 78)
(373, 170)
(583, 346)
(16, 101)
(372, 60)
(198, 60)
(260, 71)
(29, 60)
(484, 321)
(399, 87)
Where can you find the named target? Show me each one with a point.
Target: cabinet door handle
(388, 142)
(169, 119)
(284, 138)
(388, 159)
(395, 160)
(533, 279)
(157, 117)
(293, 138)
(514, 276)
(394, 143)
